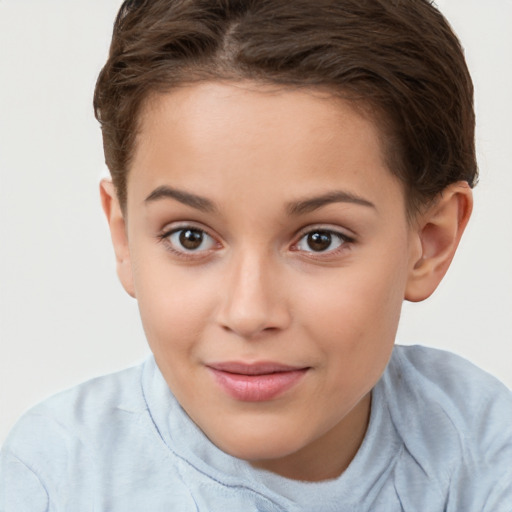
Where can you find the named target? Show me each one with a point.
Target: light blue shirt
(439, 439)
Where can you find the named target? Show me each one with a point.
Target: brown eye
(321, 240)
(190, 240)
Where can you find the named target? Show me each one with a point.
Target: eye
(188, 240)
(321, 240)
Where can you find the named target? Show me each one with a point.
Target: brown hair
(399, 58)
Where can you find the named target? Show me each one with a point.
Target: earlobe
(439, 231)
(117, 225)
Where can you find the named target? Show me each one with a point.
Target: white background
(63, 315)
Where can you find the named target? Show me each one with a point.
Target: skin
(255, 169)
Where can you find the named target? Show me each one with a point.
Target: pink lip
(256, 382)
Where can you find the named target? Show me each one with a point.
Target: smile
(256, 382)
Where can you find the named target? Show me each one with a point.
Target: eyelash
(345, 242)
(183, 253)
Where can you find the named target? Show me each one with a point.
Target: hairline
(360, 104)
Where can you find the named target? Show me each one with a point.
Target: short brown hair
(400, 58)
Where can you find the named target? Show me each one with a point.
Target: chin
(260, 445)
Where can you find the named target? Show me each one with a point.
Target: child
(284, 175)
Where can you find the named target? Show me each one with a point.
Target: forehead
(213, 108)
(212, 136)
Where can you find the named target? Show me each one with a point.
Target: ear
(438, 232)
(117, 227)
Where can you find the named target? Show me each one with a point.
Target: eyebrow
(336, 196)
(193, 200)
(294, 208)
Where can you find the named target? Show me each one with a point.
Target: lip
(256, 382)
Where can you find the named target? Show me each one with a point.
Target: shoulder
(97, 409)
(448, 371)
(100, 395)
(452, 382)
(454, 418)
(94, 445)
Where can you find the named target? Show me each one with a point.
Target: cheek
(356, 310)
(173, 304)
(353, 322)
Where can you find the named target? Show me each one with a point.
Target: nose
(254, 301)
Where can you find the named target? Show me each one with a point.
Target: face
(269, 251)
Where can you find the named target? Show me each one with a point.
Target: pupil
(191, 239)
(319, 240)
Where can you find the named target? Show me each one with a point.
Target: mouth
(256, 382)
